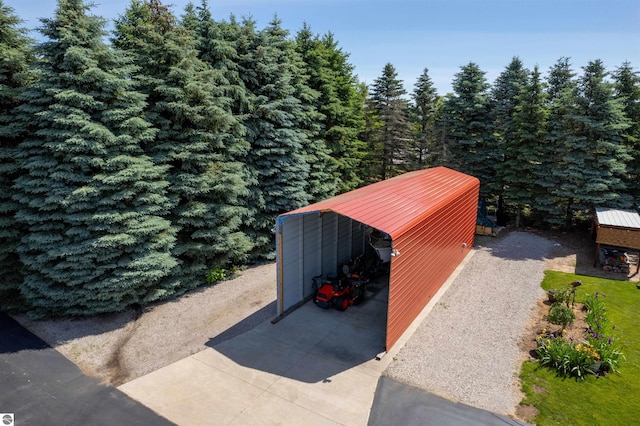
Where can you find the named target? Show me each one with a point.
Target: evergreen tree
(275, 129)
(627, 90)
(339, 102)
(394, 134)
(425, 112)
(504, 101)
(557, 163)
(469, 127)
(601, 124)
(371, 135)
(90, 199)
(323, 180)
(522, 150)
(15, 57)
(198, 138)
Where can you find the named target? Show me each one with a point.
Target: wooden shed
(616, 228)
(429, 215)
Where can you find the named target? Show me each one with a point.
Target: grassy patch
(614, 399)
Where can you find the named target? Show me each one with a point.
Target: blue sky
(441, 35)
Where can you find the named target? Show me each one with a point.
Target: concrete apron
(313, 367)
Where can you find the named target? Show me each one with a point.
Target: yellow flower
(564, 331)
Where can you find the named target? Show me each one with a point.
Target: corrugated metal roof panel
(395, 205)
(619, 218)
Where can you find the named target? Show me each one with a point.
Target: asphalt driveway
(39, 386)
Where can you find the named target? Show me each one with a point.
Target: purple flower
(609, 340)
(596, 294)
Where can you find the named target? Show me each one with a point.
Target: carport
(430, 216)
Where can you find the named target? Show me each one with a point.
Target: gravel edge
(466, 349)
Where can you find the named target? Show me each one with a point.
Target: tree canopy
(136, 168)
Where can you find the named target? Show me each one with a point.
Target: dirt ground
(117, 348)
(120, 347)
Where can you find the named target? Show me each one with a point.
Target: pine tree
(425, 113)
(557, 163)
(339, 102)
(198, 138)
(371, 135)
(90, 198)
(394, 134)
(504, 101)
(15, 56)
(469, 127)
(275, 129)
(601, 124)
(627, 90)
(323, 180)
(522, 150)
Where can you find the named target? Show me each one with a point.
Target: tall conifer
(339, 102)
(627, 90)
(197, 138)
(601, 125)
(394, 133)
(90, 198)
(425, 111)
(469, 127)
(557, 163)
(504, 101)
(15, 56)
(522, 151)
(274, 124)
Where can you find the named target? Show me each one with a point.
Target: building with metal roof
(616, 228)
(429, 217)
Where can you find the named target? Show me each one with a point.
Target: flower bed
(597, 353)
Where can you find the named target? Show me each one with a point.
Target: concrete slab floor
(315, 367)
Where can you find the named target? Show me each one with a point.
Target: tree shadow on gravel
(573, 252)
(58, 331)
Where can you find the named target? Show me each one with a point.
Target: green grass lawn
(610, 400)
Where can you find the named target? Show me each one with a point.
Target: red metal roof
(395, 205)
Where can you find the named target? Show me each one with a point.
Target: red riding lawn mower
(340, 292)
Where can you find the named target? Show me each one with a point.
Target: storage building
(429, 215)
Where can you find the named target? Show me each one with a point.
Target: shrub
(215, 275)
(560, 315)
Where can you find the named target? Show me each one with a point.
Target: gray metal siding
(344, 241)
(313, 244)
(290, 261)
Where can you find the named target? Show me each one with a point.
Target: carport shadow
(310, 344)
(245, 325)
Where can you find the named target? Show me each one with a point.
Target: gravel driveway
(466, 349)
